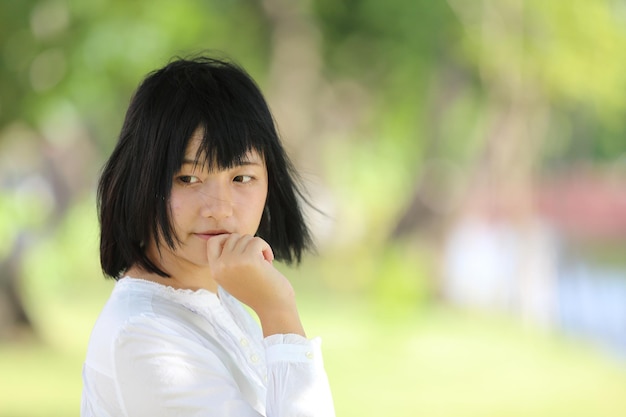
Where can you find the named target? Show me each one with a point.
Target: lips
(206, 235)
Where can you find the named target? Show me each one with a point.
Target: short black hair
(219, 97)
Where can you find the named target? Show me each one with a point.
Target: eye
(242, 178)
(188, 179)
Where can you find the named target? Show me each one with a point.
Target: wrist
(285, 321)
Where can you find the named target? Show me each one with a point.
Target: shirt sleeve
(161, 371)
(291, 357)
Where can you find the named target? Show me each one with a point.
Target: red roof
(585, 207)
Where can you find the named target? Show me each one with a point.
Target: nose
(217, 202)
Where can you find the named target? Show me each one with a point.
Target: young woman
(195, 203)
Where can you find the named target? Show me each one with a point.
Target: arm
(292, 357)
(162, 371)
(242, 265)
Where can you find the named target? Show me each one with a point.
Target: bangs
(217, 151)
(231, 114)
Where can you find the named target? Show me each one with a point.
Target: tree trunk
(14, 318)
(57, 169)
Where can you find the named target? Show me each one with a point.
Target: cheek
(249, 210)
(260, 207)
(177, 209)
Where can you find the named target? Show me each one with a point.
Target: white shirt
(158, 351)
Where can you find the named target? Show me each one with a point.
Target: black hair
(170, 104)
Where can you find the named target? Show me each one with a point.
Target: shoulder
(140, 313)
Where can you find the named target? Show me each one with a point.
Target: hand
(242, 265)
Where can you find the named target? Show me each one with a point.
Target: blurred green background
(469, 158)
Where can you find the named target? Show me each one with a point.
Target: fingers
(268, 254)
(239, 245)
(215, 246)
(235, 243)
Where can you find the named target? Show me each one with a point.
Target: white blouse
(158, 351)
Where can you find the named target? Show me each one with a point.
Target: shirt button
(254, 358)
(309, 355)
(244, 342)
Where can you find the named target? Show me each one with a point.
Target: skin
(215, 216)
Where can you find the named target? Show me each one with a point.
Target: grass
(434, 362)
(441, 362)
(37, 380)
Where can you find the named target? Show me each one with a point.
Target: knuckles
(239, 255)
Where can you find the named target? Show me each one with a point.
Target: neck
(178, 279)
(182, 274)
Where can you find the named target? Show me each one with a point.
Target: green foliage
(577, 50)
(394, 49)
(20, 212)
(566, 54)
(93, 54)
(372, 179)
(404, 280)
(68, 258)
(569, 55)
(367, 39)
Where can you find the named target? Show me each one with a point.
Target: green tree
(67, 71)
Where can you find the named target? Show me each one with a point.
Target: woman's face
(207, 203)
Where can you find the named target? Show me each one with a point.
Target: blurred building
(561, 266)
